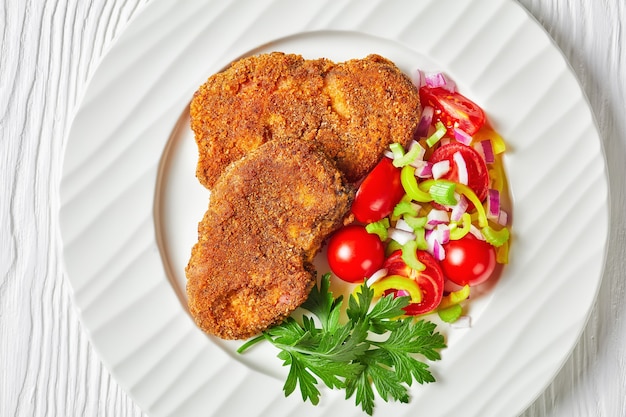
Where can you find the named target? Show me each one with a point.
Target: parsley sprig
(350, 355)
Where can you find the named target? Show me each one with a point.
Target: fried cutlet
(353, 109)
(268, 215)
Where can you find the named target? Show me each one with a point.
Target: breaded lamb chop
(268, 215)
(354, 110)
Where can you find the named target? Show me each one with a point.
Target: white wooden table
(50, 48)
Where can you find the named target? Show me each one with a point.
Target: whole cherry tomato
(379, 193)
(354, 254)
(453, 109)
(469, 261)
(477, 171)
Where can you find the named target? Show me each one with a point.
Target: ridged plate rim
(501, 58)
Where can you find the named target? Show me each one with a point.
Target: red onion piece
(476, 232)
(435, 248)
(461, 167)
(425, 122)
(417, 77)
(381, 273)
(442, 233)
(462, 137)
(423, 169)
(403, 225)
(439, 252)
(418, 164)
(460, 208)
(439, 79)
(503, 218)
(487, 149)
(436, 217)
(434, 79)
(441, 168)
(402, 293)
(400, 236)
(493, 204)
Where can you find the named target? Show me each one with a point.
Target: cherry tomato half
(430, 280)
(468, 261)
(453, 109)
(432, 293)
(379, 193)
(354, 254)
(477, 171)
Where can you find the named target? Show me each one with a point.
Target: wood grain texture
(50, 49)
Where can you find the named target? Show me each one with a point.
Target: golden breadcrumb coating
(354, 110)
(268, 215)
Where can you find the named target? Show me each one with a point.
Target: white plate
(130, 202)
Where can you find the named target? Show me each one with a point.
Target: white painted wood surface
(50, 48)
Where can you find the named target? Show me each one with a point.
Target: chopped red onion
(418, 164)
(476, 232)
(441, 168)
(460, 208)
(423, 169)
(439, 79)
(442, 233)
(381, 273)
(425, 122)
(403, 225)
(402, 293)
(462, 136)
(503, 218)
(400, 236)
(434, 79)
(436, 217)
(417, 77)
(439, 252)
(487, 148)
(435, 248)
(493, 204)
(461, 167)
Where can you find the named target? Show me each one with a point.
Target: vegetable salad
(437, 208)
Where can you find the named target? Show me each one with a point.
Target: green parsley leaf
(343, 356)
(321, 303)
(359, 303)
(362, 385)
(408, 339)
(298, 375)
